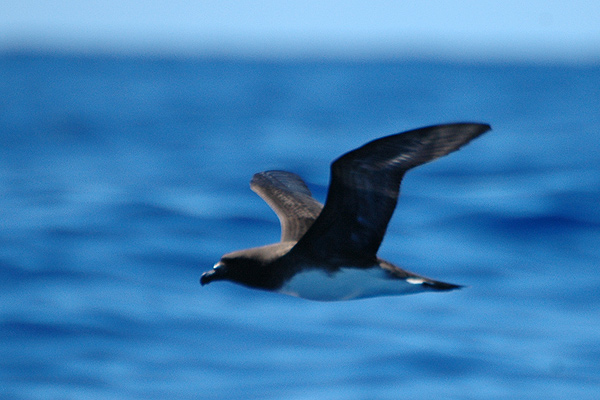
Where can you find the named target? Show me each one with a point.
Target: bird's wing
(290, 198)
(364, 189)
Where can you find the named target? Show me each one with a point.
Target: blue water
(123, 179)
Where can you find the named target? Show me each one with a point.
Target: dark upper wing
(289, 197)
(364, 189)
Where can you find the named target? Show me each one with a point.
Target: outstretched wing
(290, 198)
(364, 189)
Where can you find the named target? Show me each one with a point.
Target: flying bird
(329, 252)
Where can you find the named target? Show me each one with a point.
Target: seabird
(329, 252)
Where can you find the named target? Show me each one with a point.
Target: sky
(461, 29)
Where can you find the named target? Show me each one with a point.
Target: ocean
(124, 178)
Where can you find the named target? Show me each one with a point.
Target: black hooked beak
(217, 273)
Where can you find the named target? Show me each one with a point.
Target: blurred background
(129, 132)
(450, 30)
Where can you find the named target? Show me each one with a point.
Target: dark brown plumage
(335, 246)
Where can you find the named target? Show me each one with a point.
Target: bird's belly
(347, 283)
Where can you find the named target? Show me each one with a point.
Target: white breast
(348, 284)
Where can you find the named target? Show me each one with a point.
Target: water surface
(123, 179)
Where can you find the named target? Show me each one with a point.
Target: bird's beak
(214, 274)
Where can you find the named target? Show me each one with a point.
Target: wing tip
(284, 180)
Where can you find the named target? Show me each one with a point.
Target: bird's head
(234, 268)
(253, 267)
